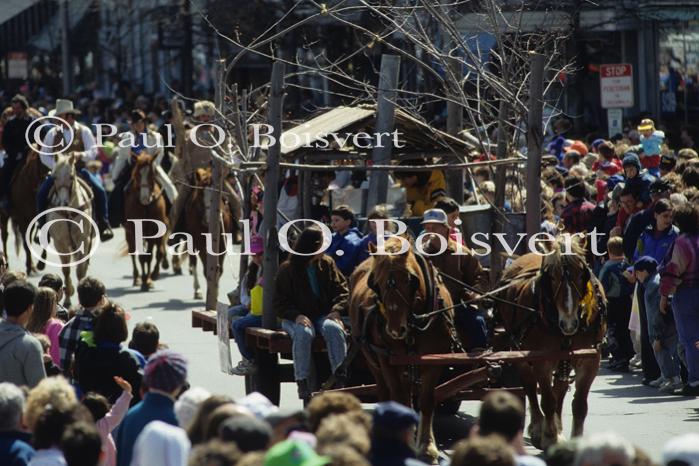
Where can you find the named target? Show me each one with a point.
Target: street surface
(617, 402)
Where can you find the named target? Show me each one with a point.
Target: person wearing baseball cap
(458, 261)
(164, 376)
(393, 434)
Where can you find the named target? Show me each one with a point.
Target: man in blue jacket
(346, 245)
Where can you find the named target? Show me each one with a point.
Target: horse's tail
(123, 250)
(18, 238)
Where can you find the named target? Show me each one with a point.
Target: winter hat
(645, 264)
(161, 444)
(682, 449)
(631, 158)
(596, 143)
(294, 453)
(577, 146)
(391, 415)
(165, 370)
(249, 434)
(188, 403)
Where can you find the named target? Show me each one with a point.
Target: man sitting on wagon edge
(458, 269)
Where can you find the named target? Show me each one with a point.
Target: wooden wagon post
(455, 123)
(269, 222)
(213, 266)
(496, 260)
(385, 116)
(535, 137)
(212, 260)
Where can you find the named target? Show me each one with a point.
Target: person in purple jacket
(679, 278)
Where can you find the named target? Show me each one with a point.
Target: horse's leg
(392, 376)
(195, 276)
(144, 261)
(28, 263)
(159, 257)
(585, 373)
(177, 261)
(131, 243)
(549, 431)
(528, 379)
(68, 281)
(5, 233)
(382, 392)
(560, 388)
(429, 376)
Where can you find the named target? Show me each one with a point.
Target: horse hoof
(197, 295)
(136, 282)
(40, 265)
(155, 275)
(430, 455)
(177, 270)
(144, 287)
(165, 264)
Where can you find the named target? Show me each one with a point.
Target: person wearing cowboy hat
(197, 154)
(14, 142)
(81, 142)
(142, 141)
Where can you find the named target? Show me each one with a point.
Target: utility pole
(66, 65)
(385, 115)
(187, 65)
(535, 138)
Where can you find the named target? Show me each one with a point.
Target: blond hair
(53, 391)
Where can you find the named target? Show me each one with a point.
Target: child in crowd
(651, 143)
(618, 291)
(55, 282)
(253, 273)
(108, 418)
(145, 340)
(43, 320)
(253, 313)
(661, 327)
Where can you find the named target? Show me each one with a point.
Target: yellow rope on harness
(588, 302)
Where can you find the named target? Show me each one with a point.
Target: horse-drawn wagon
(553, 297)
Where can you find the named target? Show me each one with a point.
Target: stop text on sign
(616, 85)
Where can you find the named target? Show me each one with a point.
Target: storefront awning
(11, 8)
(50, 36)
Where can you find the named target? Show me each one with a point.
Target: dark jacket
(97, 364)
(388, 452)
(154, 407)
(464, 268)
(350, 245)
(15, 449)
(294, 296)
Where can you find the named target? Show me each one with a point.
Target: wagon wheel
(266, 380)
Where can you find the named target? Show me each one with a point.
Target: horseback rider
(80, 142)
(14, 141)
(143, 140)
(198, 155)
(458, 267)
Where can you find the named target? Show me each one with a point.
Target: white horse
(71, 231)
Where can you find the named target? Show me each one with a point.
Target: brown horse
(387, 295)
(25, 185)
(560, 305)
(144, 200)
(196, 223)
